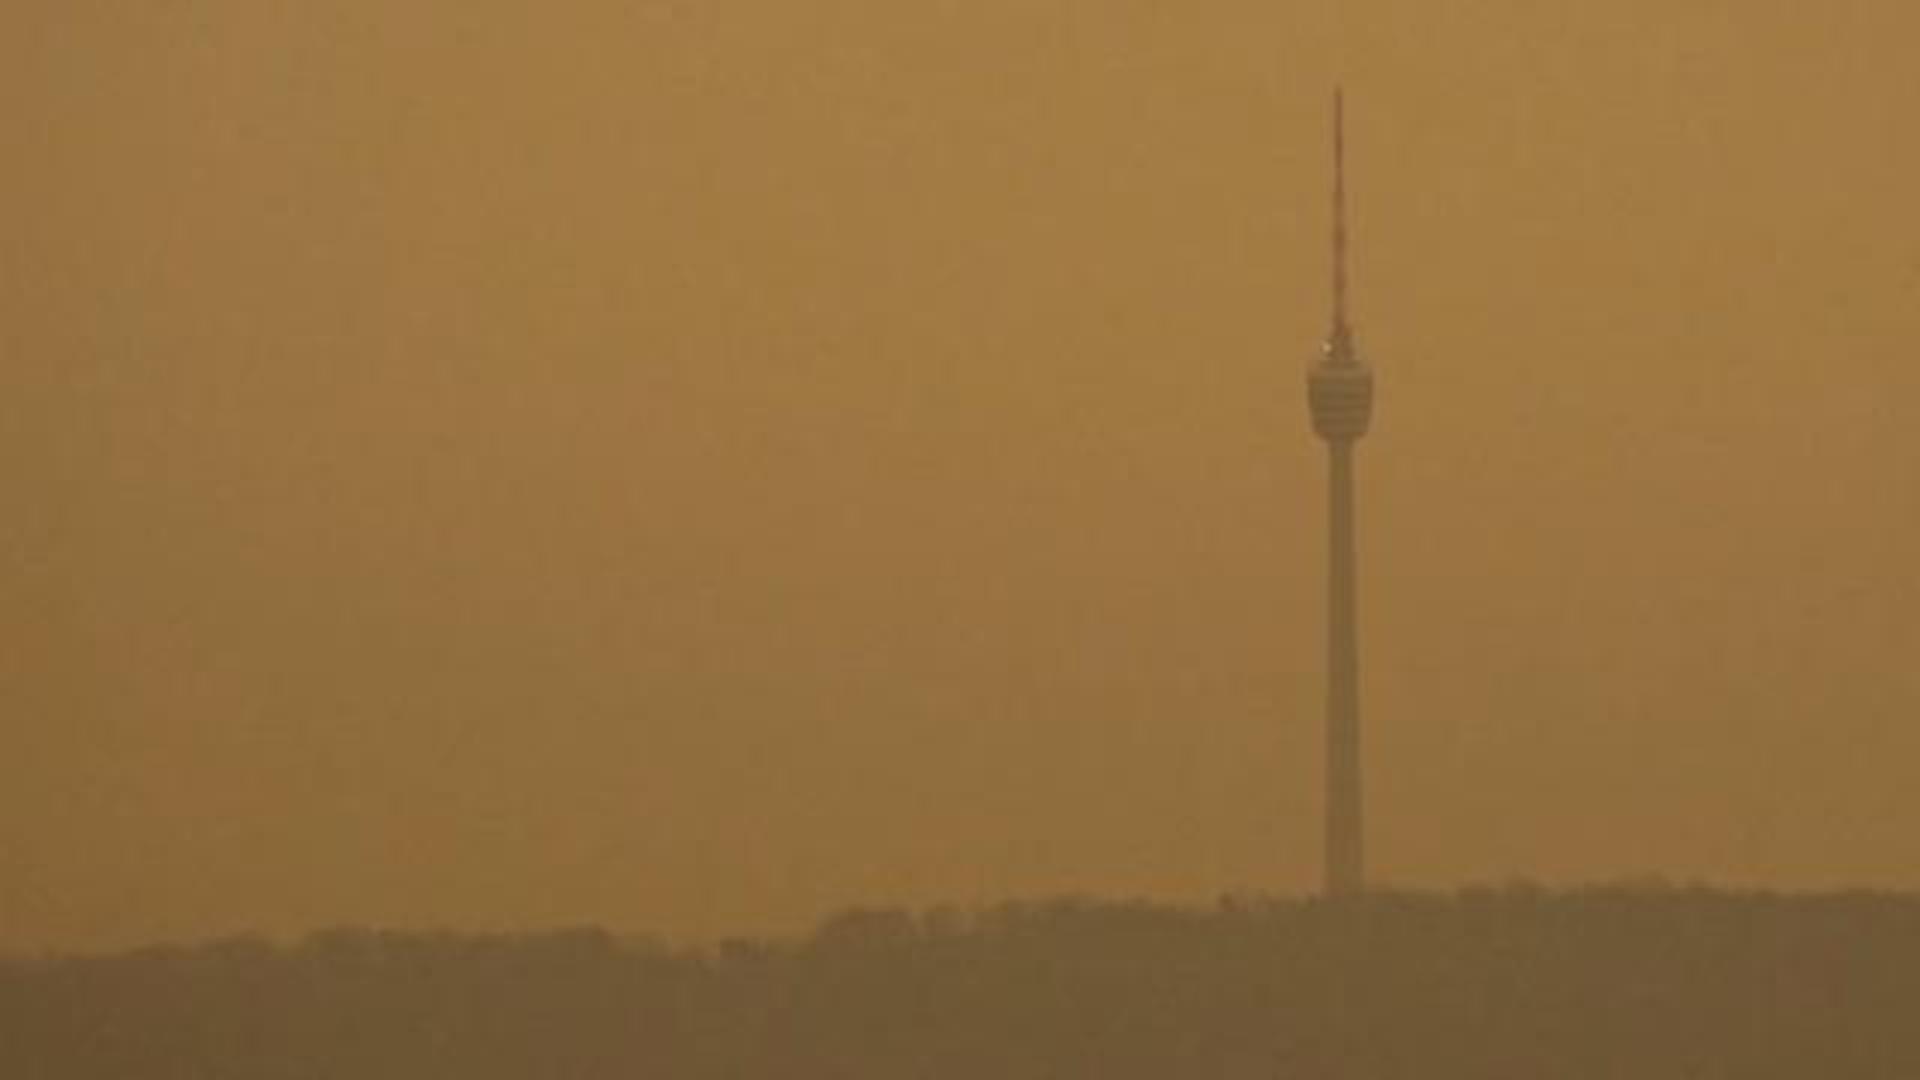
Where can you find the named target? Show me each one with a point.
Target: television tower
(1340, 395)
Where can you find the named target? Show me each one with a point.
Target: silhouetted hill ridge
(1516, 981)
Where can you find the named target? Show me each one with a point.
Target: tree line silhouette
(1629, 983)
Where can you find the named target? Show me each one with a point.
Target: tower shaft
(1345, 866)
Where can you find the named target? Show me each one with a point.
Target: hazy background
(694, 466)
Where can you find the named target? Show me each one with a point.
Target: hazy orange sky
(693, 466)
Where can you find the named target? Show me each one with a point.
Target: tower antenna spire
(1339, 341)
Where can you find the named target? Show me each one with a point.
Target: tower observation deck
(1340, 398)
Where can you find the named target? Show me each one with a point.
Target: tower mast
(1340, 332)
(1340, 396)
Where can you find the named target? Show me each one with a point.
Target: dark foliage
(1487, 984)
